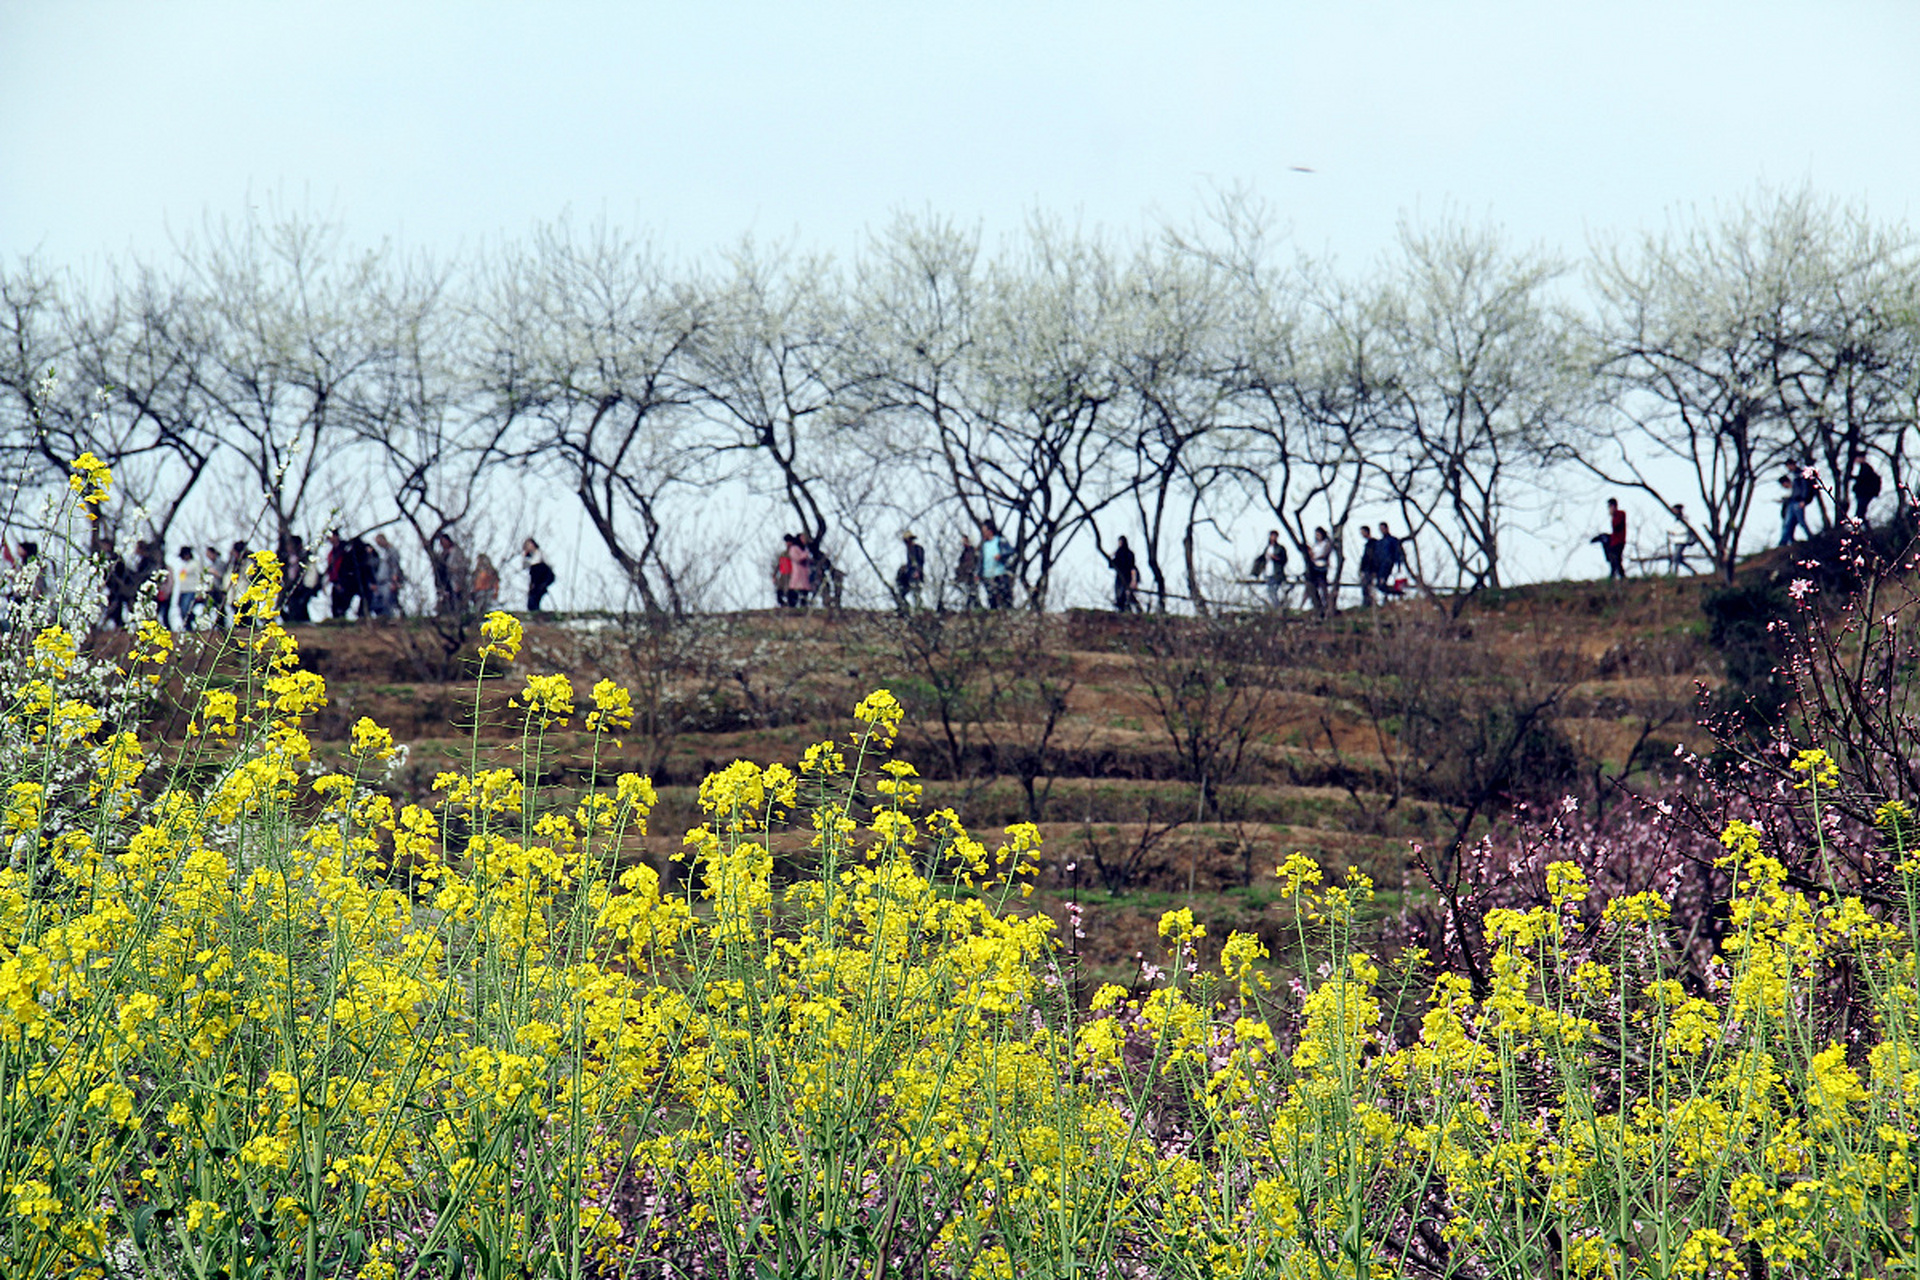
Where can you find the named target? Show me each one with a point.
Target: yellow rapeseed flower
(1296, 871)
(92, 480)
(152, 644)
(369, 739)
(1566, 883)
(1741, 841)
(26, 804)
(1239, 961)
(54, 651)
(503, 634)
(219, 715)
(883, 711)
(1819, 769)
(1179, 927)
(259, 601)
(612, 708)
(549, 699)
(823, 759)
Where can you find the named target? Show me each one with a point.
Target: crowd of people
(361, 577)
(352, 576)
(1382, 556)
(804, 574)
(987, 569)
(984, 572)
(1800, 490)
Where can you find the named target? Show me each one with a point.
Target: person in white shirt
(540, 575)
(1319, 561)
(186, 588)
(1679, 538)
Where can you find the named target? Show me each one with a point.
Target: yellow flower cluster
(369, 739)
(503, 635)
(1818, 770)
(883, 711)
(91, 481)
(612, 708)
(548, 700)
(259, 600)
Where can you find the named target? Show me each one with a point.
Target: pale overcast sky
(440, 124)
(444, 125)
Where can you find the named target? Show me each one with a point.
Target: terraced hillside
(1167, 760)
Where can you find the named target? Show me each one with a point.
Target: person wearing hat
(906, 582)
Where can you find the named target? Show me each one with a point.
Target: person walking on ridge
(486, 583)
(1866, 486)
(336, 573)
(162, 577)
(1679, 538)
(1319, 563)
(1270, 568)
(966, 574)
(826, 576)
(186, 588)
(1369, 565)
(1391, 556)
(213, 587)
(1794, 488)
(1126, 578)
(349, 569)
(783, 573)
(799, 573)
(387, 577)
(301, 580)
(539, 575)
(995, 572)
(911, 574)
(1616, 544)
(450, 573)
(239, 577)
(1807, 477)
(122, 586)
